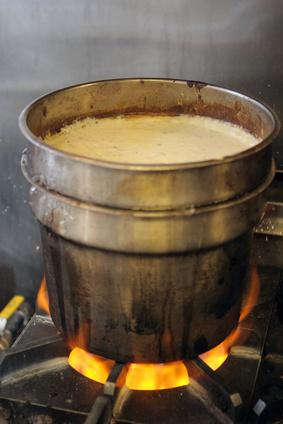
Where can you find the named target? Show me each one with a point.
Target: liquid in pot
(152, 139)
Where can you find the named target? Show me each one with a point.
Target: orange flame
(157, 376)
(92, 366)
(81, 338)
(161, 376)
(215, 357)
(42, 300)
(168, 375)
(252, 294)
(139, 376)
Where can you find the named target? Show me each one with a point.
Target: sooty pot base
(145, 308)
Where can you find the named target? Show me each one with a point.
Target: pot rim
(152, 167)
(151, 214)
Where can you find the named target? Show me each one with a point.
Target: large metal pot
(132, 261)
(154, 187)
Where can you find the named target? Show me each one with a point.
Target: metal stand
(101, 412)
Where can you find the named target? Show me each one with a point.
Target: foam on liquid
(149, 139)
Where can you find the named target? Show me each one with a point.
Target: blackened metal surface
(37, 371)
(23, 413)
(267, 256)
(267, 401)
(142, 308)
(245, 357)
(182, 405)
(226, 401)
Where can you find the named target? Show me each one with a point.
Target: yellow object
(157, 376)
(152, 139)
(12, 306)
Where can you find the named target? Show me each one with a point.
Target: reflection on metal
(270, 229)
(271, 223)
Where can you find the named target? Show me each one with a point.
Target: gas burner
(39, 373)
(35, 372)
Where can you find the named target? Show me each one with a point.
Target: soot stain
(200, 345)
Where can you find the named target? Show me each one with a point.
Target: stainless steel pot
(154, 187)
(149, 260)
(150, 232)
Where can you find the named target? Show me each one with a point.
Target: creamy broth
(150, 139)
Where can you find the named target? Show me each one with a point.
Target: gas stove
(39, 386)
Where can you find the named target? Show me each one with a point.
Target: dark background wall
(45, 45)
